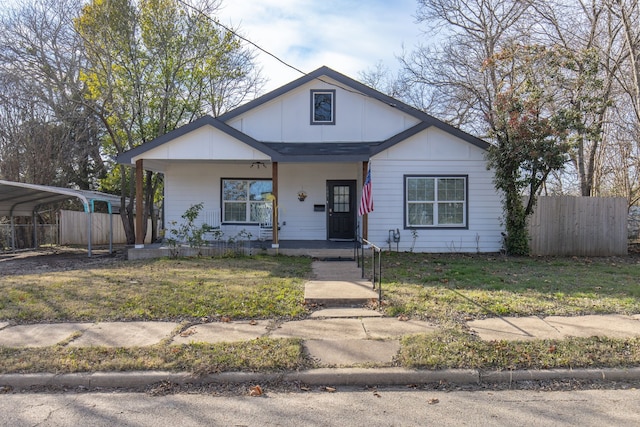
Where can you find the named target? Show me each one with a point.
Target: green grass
(439, 287)
(200, 359)
(163, 289)
(446, 289)
(451, 349)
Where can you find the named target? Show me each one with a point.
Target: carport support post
(274, 221)
(139, 205)
(88, 208)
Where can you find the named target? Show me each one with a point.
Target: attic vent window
(323, 107)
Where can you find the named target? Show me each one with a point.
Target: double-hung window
(435, 201)
(243, 199)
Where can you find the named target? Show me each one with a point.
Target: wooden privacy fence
(580, 226)
(73, 229)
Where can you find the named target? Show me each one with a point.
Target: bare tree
(463, 35)
(46, 125)
(586, 35)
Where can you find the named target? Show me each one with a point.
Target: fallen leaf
(433, 401)
(256, 390)
(403, 318)
(552, 349)
(305, 388)
(376, 394)
(188, 332)
(225, 319)
(253, 323)
(330, 389)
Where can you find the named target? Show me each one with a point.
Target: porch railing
(366, 247)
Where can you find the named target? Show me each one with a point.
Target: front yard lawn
(445, 289)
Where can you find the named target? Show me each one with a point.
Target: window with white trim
(323, 107)
(435, 201)
(243, 198)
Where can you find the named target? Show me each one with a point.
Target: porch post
(139, 205)
(274, 176)
(365, 217)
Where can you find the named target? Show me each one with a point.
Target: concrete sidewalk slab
(318, 329)
(351, 352)
(344, 312)
(612, 325)
(390, 327)
(222, 332)
(39, 335)
(125, 334)
(513, 328)
(336, 270)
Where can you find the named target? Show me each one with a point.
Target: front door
(341, 215)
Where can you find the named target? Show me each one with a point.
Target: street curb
(327, 376)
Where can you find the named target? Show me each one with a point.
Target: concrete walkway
(335, 337)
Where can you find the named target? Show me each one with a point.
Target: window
(323, 107)
(435, 201)
(243, 198)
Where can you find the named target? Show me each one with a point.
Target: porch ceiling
(323, 152)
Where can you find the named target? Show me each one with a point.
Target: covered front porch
(317, 249)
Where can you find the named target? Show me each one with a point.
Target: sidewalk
(340, 339)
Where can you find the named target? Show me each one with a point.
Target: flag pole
(365, 218)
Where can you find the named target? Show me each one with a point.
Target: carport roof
(20, 199)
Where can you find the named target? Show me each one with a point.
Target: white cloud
(347, 35)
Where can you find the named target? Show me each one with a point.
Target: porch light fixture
(258, 165)
(302, 195)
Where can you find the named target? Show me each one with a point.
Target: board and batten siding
(434, 152)
(358, 118)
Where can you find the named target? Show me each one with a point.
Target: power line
(218, 23)
(282, 61)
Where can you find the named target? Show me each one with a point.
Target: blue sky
(347, 35)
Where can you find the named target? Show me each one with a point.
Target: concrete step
(333, 293)
(344, 313)
(338, 284)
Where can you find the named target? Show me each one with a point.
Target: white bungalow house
(306, 149)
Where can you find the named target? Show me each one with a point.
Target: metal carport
(20, 199)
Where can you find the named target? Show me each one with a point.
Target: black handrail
(376, 264)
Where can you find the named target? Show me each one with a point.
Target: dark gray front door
(341, 213)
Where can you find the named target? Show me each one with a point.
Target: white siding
(187, 184)
(205, 143)
(358, 118)
(435, 153)
(190, 183)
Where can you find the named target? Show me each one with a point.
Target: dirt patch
(56, 259)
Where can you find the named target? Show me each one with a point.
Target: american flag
(366, 202)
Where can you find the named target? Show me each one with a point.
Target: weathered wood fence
(73, 229)
(579, 226)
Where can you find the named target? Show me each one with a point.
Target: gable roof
(207, 120)
(309, 152)
(354, 85)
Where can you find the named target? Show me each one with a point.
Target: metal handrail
(376, 267)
